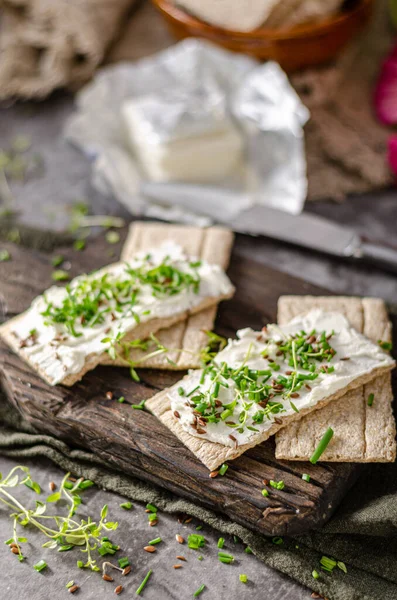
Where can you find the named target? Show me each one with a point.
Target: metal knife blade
(236, 211)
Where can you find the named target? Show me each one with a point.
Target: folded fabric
(362, 533)
(47, 45)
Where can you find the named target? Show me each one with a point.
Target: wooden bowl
(294, 48)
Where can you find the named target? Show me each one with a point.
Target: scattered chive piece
(278, 541)
(123, 562)
(121, 399)
(181, 391)
(199, 591)
(306, 477)
(235, 539)
(278, 485)
(140, 406)
(243, 578)
(195, 541)
(112, 237)
(155, 541)
(325, 440)
(79, 245)
(126, 505)
(152, 516)
(385, 345)
(265, 493)
(60, 275)
(69, 584)
(200, 557)
(80, 564)
(40, 566)
(199, 527)
(4, 255)
(328, 564)
(315, 574)
(370, 400)
(57, 260)
(342, 566)
(151, 507)
(144, 582)
(221, 542)
(223, 469)
(248, 550)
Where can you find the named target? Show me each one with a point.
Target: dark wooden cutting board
(133, 441)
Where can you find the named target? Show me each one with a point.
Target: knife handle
(384, 256)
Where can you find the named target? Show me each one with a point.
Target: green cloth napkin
(362, 534)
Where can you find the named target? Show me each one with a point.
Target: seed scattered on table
(109, 395)
(126, 570)
(52, 486)
(180, 558)
(118, 589)
(107, 577)
(179, 539)
(14, 550)
(73, 589)
(150, 549)
(177, 566)
(214, 474)
(153, 523)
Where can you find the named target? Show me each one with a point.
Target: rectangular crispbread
(213, 454)
(213, 245)
(362, 433)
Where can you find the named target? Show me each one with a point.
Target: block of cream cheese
(181, 136)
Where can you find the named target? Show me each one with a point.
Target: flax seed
(109, 395)
(278, 421)
(176, 414)
(73, 589)
(188, 520)
(307, 386)
(15, 550)
(52, 486)
(295, 395)
(107, 577)
(118, 589)
(126, 570)
(179, 539)
(150, 549)
(232, 438)
(153, 523)
(180, 558)
(200, 431)
(214, 474)
(177, 566)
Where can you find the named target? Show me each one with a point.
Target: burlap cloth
(48, 44)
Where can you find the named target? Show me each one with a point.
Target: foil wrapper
(193, 89)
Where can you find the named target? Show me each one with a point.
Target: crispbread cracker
(362, 433)
(213, 454)
(214, 245)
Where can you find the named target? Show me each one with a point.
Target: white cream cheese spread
(65, 325)
(262, 377)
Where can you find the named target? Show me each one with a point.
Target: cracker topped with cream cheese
(263, 380)
(67, 330)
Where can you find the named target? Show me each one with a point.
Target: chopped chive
(315, 574)
(126, 505)
(385, 345)
(40, 566)
(265, 493)
(225, 555)
(278, 485)
(181, 391)
(140, 406)
(243, 578)
(221, 542)
(328, 564)
(306, 477)
(69, 584)
(57, 260)
(4, 255)
(87, 483)
(278, 541)
(80, 564)
(151, 507)
(235, 539)
(123, 562)
(223, 469)
(195, 541)
(200, 557)
(155, 541)
(225, 560)
(248, 550)
(370, 400)
(325, 440)
(192, 391)
(121, 399)
(60, 275)
(199, 527)
(144, 582)
(199, 591)
(152, 516)
(79, 245)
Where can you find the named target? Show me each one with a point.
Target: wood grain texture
(135, 441)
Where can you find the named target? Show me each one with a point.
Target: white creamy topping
(59, 353)
(247, 351)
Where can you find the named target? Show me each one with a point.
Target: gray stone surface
(19, 580)
(44, 202)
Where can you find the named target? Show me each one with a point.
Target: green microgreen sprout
(243, 578)
(64, 532)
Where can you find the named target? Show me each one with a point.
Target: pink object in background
(386, 90)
